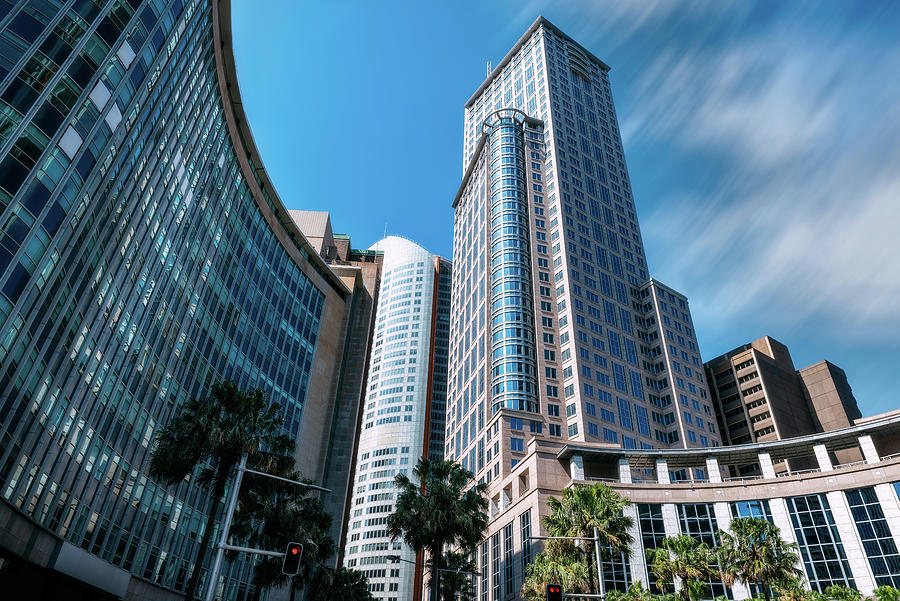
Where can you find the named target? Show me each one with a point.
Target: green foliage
(274, 513)
(752, 551)
(842, 593)
(213, 433)
(456, 579)
(793, 590)
(686, 558)
(342, 583)
(581, 511)
(560, 563)
(636, 592)
(437, 508)
(886, 593)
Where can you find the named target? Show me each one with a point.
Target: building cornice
(518, 46)
(475, 156)
(737, 454)
(276, 215)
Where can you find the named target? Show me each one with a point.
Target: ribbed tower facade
(557, 332)
(513, 353)
(144, 255)
(404, 409)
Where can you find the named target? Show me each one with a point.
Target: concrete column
(765, 465)
(890, 505)
(870, 453)
(671, 528)
(670, 519)
(624, 471)
(723, 522)
(576, 466)
(823, 458)
(662, 471)
(712, 469)
(637, 556)
(856, 556)
(781, 518)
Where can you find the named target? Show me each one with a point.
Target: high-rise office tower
(557, 326)
(759, 396)
(144, 255)
(404, 408)
(360, 270)
(829, 395)
(557, 331)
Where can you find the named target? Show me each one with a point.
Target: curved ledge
(815, 482)
(787, 448)
(252, 168)
(497, 117)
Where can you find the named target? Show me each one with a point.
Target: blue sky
(762, 140)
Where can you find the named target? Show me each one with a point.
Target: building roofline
(478, 147)
(515, 49)
(276, 216)
(744, 348)
(469, 169)
(407, 239)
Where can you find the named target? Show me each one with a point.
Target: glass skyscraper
(144, 255)
(559, 330)
(558, 333)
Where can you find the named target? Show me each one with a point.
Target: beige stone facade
(550, 466)
(760, 396)
(360, 271)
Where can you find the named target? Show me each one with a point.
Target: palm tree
(794, 590)
(214, 432)
(456, 579)
(837, 592)
(440, 506)
(886, 593)
(753, 552)
(591, 511)
(559, 563)
(687, 559)
(342, 583)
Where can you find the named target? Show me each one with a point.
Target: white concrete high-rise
(404, 408)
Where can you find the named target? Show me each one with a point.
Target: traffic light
(291, 564)
(554, 592)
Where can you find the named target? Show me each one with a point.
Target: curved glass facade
(513, 356)
(138, 265)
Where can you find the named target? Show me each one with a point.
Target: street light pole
(594, 539)
(397, 558)
(226, 528)
(229, 516)
(600, 585)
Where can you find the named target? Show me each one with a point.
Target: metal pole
(601, 588)
(226, 528)
(561, 538)
(288, 480)
(253, 551)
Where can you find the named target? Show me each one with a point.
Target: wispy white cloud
(764, 144)
(800, 221)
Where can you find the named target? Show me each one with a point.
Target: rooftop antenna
(488, 73)
(385, 230)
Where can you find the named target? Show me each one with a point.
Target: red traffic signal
(554, 592)
(291, 564)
